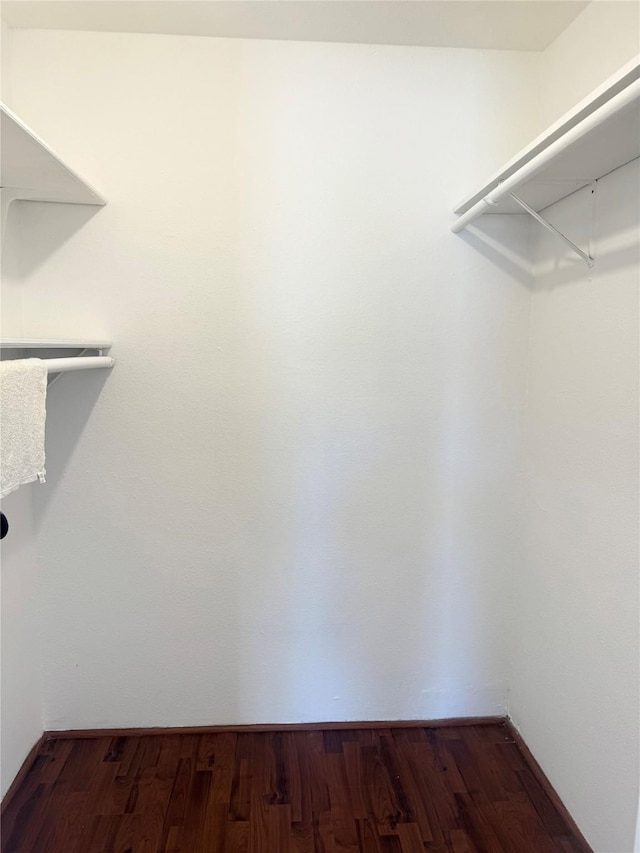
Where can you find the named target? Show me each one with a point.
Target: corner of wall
(599, 41)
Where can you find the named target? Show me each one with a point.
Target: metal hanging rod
(585, 257)
(66, 365)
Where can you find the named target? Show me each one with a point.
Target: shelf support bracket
(589, 261)
(58, 375)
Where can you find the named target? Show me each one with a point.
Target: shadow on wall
(490, 235)
(59, 224)
(70, 402)
(550, 264)
(612, 240)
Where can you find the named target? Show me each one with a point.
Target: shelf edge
(23, 193)
(618, 82)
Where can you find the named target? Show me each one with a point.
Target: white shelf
(52, 343)
(600, 134)
(32, 171)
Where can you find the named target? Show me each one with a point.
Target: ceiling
(498, 24)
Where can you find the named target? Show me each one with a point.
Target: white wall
(602, 38)
(20, 704)
(296, 496)
(5, 64)
(573, 685)
(20, 675)
(574, 682)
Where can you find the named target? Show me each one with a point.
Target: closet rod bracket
(589, 261)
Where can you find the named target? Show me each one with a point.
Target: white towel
(23, 395)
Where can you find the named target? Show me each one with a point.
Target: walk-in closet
(319, 426)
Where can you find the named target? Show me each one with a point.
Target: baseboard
(548, 788)
(21, 775)
(277, 727)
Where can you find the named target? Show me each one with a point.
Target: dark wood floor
(463, 790)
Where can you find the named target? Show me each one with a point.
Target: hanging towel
(23, 395)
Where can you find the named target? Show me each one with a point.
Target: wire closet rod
(66, 365)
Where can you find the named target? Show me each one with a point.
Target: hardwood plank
(302, 840)
(81, 764)
(550, 817)
(280, 795)
(131, 756)
(392, 764)
(261, 787)
(237, 836)
(178, 800)
(28, 820)
(345, 831)
(100, 836)
(213, 831)
(323, 833)
(57, 753)
(418, 807)
(437, 799)
(475, 821)
(525, 829)
(173, 842)
(353, 769)
(410, 837)
(314, 752)
(292, 772)
(240, 795)
(381, 802)
(66, 826)
(129, 834)
(195, 811)
(459, 842)
(444, 753)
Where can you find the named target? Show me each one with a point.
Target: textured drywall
(604, 36)
(575, 675)
(21, 657)
(573, 684)
(5, 66)
(296, 495)
(20, 703)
